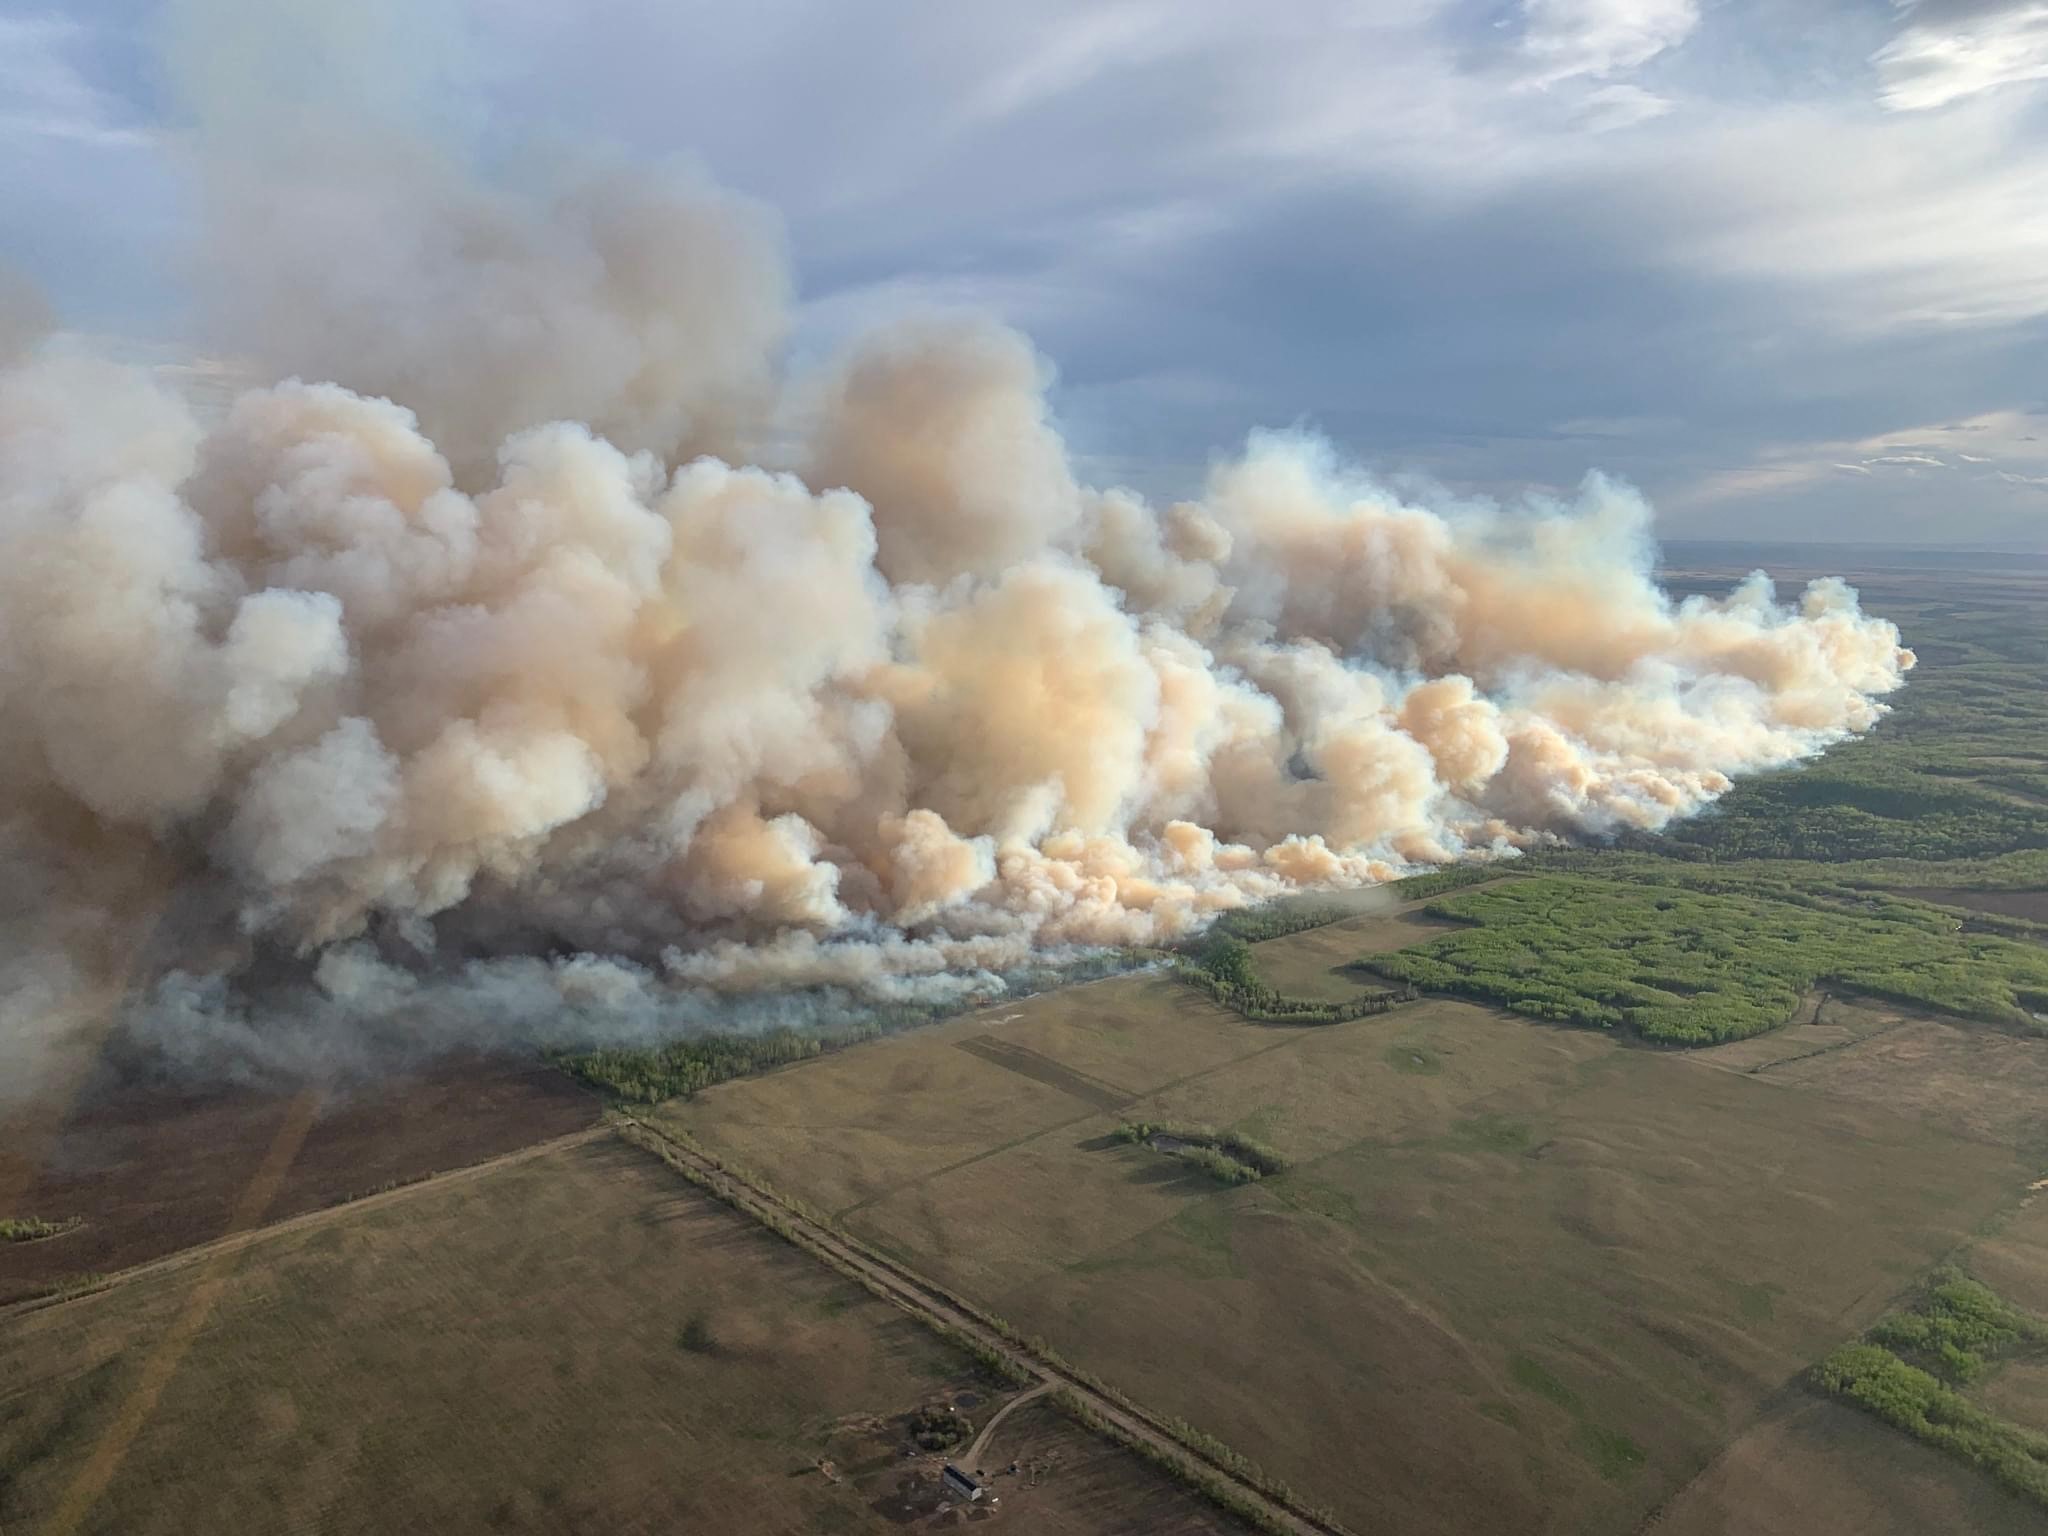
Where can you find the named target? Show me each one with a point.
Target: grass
(1371, 1292)
(1410, 1059)
(462, 1352)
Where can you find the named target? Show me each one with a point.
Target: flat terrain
(1527, 1277)
(1517, 1276)
(579, 1341)
(2029, 905)
(147, 1171)
(1321, 962)
(1821, 1469)
(1967, 1079)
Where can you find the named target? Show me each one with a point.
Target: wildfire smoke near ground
(544, 653)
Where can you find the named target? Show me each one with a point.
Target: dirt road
(971, 1458)
(938, 1307)
(923, 1298)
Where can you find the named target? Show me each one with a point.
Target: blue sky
(1782, 263)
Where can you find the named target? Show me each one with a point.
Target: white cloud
(1570, 38)
(2013, 444)
(1945, 54)
(1620, 106)
(42, 93)
(1065, 56)
(1885, 224)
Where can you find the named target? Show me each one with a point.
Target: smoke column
(473, 666)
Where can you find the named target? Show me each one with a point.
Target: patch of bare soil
(147, 1171)
(2031, 905)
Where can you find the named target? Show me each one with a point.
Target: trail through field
(971, 1459)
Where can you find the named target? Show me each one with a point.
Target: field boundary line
(1235, 1488)
(238, 1238)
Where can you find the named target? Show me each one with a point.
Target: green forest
(1687, 967)
(1906, 1371)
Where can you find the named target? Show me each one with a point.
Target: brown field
(1816, 1468)
(2013, 1258)
(148, 1172)
(1966, 1079)
(576, 1342)
(1318, 962)
(1824, 1024)
(1527, 1278)
(2031, 905)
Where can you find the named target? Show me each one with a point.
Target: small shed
(956, 1484)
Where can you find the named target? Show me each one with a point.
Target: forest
(1681, 966)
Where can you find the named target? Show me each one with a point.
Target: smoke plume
(472, 666)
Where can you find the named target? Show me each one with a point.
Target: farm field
(2013, 1260)
(1965, 1079)
(576, 1342)
(1526, 1274)
(1821, 1469)
(145, 1172)
(1518, 1272)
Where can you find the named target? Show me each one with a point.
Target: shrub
(1223, 1155)
(695, 1336)
(1908, 1398)
(29, 1229)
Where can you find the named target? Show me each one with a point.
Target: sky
(1782, 264)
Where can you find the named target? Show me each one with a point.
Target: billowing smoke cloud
(469, 662)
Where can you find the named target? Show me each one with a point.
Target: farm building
(956, 1484)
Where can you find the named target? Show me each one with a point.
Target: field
(577, 1342)
(1530, 1275)
(146, 1172)
(1556, 1247)
(1521, 1272)
(1817, 1466)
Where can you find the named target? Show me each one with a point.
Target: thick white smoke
(474, 657)
(939, 708)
